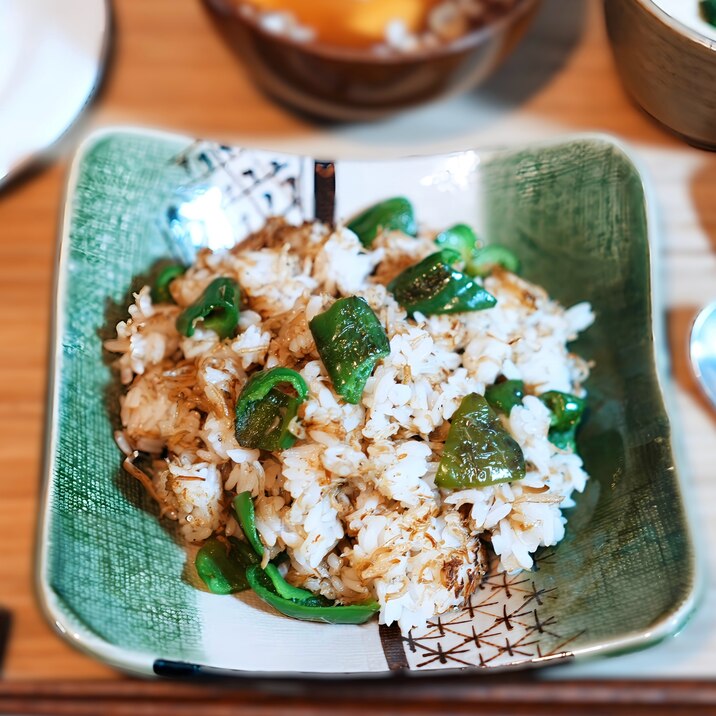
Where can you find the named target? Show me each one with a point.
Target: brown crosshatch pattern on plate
(263, 183)
(239, 187)
(509, 619)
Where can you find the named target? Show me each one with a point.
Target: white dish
(51, 58)
(624, 577)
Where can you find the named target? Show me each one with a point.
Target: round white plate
(51, 56)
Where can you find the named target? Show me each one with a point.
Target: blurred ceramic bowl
(343, 83)
(667, 65)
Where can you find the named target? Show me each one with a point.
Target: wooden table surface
(168, 69)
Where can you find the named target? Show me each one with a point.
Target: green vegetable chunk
(478, 450)
(223, 567)
(350, 340)
(261, 384)
(502, 397)
(394, 214)
(246, 516)
(433, 286)
(567, 411)
(217, 308)
(308, 610)
(708, 11)
(160, 288)
(264, 412)
(270, 585)
(288, 591)
(484, 260)
(460, 238)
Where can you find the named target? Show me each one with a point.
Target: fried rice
(353, 503)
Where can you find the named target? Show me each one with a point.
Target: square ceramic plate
(115, 582)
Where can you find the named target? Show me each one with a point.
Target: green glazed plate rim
(141, 663)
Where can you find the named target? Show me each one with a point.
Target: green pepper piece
(433, 286)
(350, 340)
(305, 610)
(460, 238)
(502, 397)
(264, 424)
(217, 307)
(261, 383)
(264, 412)
(478, 450)
(708, 11)
(567, 411)
(246, 515)
(288, 591)
(223, 567)
(485, 259)
(564, 439)
(160, 287)
(394, 214)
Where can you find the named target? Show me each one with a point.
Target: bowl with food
(362, 60)
(365, 433)
(666, 55)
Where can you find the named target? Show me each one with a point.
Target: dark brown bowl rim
(680, 28)
(335, 52)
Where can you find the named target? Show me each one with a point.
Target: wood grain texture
(441, 698)
(169, 69)
(672, 75)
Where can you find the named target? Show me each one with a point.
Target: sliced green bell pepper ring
(246, 516)
(350, 340)
(483, 260)
(271, 587)
(264, 412)
(286, 590)
(217, 308)
(433, 286)
(502, 397)
(708, 11)
(478, 450)
(394, 214)
(160, 287)
(460, 238)
(307, 610)
(567, 411)
(261, 383)
(222, 567)
(264, 424)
